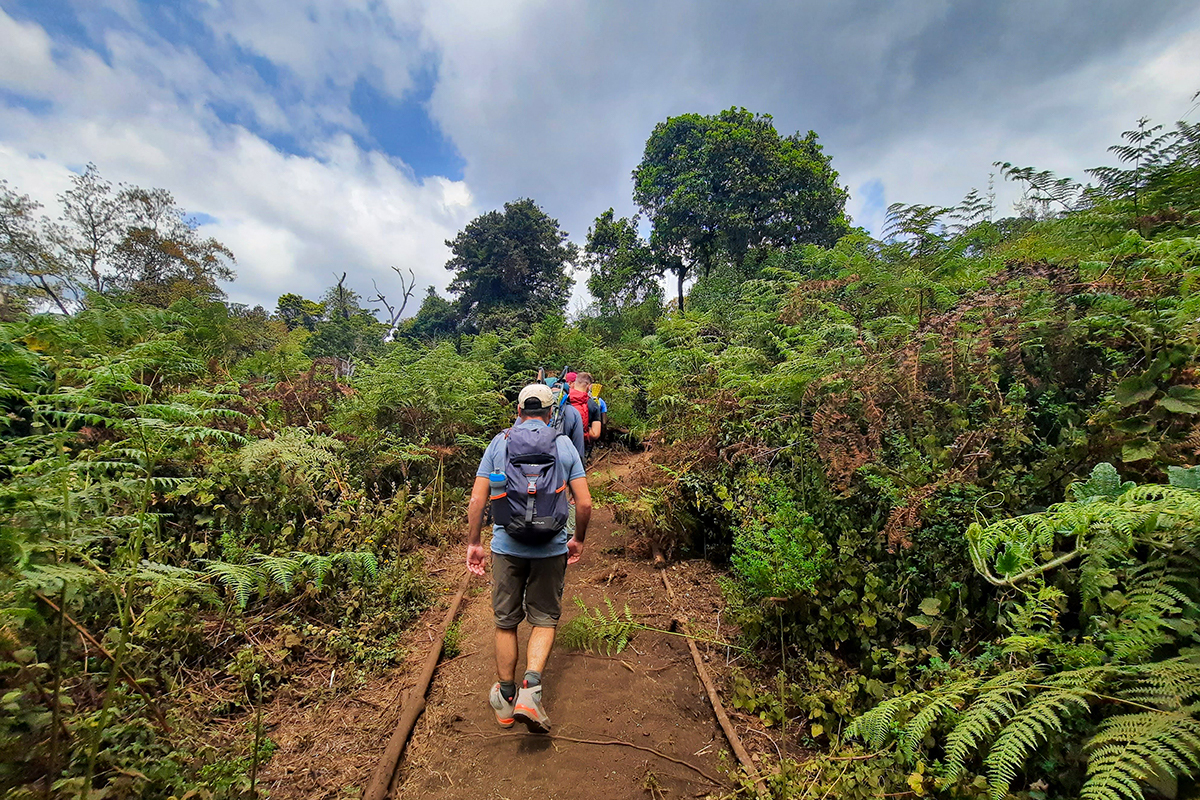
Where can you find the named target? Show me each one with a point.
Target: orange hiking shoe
(502, 707)
(528, 708)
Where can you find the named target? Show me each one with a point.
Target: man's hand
(574, 550)
(475, 558)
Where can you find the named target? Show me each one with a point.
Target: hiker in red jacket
(589, 409)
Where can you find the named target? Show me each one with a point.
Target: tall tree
(30, 270)
(162, 258)
(348, 333)
(436, 318)
(95, 219)
(297, 311)
(128, 241)
(510, 267)
(722, 185)
(624, 271)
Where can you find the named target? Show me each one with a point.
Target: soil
(648, 695)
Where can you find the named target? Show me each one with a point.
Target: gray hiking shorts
(527, 588)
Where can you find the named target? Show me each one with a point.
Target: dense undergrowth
(875, 437)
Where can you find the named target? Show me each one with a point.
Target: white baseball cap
(535, 397)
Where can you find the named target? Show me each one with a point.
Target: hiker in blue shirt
(527, 576)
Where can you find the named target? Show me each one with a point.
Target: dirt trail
(648, 695)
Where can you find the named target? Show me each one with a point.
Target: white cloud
(292, 221)
(555, 101)
(25, 58)
(1065, 124)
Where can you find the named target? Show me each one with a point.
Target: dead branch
(407, 286)
(617, 742)
(414, 704)
(735, 742)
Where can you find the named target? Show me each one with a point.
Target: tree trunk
(679, 275)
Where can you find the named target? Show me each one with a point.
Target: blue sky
(321, 136)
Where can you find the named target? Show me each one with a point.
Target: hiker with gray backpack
(528, 473)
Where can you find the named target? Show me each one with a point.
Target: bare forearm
(475, 514)
(583, 515)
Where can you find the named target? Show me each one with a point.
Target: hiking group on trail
(533, 476)
(576, 413)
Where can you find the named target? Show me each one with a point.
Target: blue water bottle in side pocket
(499, 497)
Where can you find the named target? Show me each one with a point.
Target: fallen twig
(457, 657)
(778, 752)
(559, 738)
(414, 704)
(735, 743)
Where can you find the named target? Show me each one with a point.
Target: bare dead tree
(407, 285)
(343, 306)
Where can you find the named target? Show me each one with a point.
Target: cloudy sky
(321, 136)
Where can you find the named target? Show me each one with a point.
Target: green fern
(596, 630)
(317, 566)
(1138, 599)
(240, 579)
(1026, 731)
(281, 570)
(1132, 749)
(995, 704)
(287, 573)
(1156, 594)
(362, 564)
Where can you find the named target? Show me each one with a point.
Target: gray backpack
(533, 507)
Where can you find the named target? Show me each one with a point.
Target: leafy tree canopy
(623, 269)
(297, 311)
(722, 185)
(510, 267)
(436, 318)
(111, 241)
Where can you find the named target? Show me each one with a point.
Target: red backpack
(580, 401)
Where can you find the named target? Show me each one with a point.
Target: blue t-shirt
(569, 468)
(573, 428)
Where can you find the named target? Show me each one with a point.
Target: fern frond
(945, 700)
(362, 564)
(1169, 685)
(995, 704)
(319, 566)
(281, 570)
(595, 630)
(240, 579)
(877, 726)
(1027, 730)
(1157, 591)
(1132, 748)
